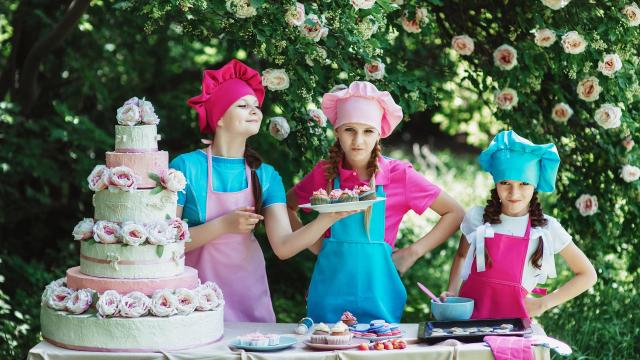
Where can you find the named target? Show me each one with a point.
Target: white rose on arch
(555, 4)
(608, 116)
(573, 43)
(275, 79)
(506, 99)
(241, 8)
(589, 89)
(374, 70)
(313, 28)
(463, 45)
(630, 173)
(610, 64)
(587, 204)
(318, 116)
(279, 128)
(561, 112)
(295, 15)
(544, 37)
(632, 12)
(363, 4)
(505, 57)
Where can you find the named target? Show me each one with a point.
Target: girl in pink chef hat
(357, 268)
(229, 190)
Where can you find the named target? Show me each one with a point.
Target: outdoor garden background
(568, 74)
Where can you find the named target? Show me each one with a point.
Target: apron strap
(476, 249)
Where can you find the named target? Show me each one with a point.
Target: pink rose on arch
(279, 127)
(181, 228)
(630, 173)
(573, 43)
(363, 4)
(123, 179)
(561, 112)
(318, 116)
(187, 301)
(134, 304)
(108, 303)
(608, 116)
(587, 204)
(313, 28)
(83, 230)
(632, 12)
(80, 301)
(589, 89)
(59, 297)
(173, 180)
(374, 70)
(505, 57)
(99, 178)
(610, 64)
(410, 25)
(463, 45)
(506, 99)
(106, 232)
(628, 143)
(544, 37)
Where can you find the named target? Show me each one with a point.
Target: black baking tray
(521, 327)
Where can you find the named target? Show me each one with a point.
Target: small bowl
(455, 308)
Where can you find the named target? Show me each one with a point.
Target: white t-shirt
(517, 226)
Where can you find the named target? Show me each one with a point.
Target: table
(220, 350)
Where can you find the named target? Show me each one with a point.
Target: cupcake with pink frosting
(334, 195)
(319, 197)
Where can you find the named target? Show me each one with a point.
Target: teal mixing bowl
(455, 308)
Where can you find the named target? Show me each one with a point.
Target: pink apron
(497, 291)
(234, 261)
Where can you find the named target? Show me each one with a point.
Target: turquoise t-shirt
(228, 175)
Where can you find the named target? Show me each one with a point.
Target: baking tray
(521, 327)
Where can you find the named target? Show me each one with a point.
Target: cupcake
(340, 334)
(348, 318)
(320, 333)
(348, 196)
(334, 195)
(365, 192)
(319, 197)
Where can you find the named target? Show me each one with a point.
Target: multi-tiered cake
(132, 291)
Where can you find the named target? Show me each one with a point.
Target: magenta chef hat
(223, 87)
(362, 103)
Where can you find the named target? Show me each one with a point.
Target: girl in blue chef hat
(508, 246)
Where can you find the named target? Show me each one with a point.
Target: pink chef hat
(221, 88)
(362, 103)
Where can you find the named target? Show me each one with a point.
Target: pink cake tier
(77, 280)
(142, 164)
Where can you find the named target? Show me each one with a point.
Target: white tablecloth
(221, 350)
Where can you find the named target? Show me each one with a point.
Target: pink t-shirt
(405, 188)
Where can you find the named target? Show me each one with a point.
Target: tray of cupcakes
(358, 198)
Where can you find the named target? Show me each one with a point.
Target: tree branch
(28, 87)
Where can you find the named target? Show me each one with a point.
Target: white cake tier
(77, 280)
(87, 332)
(139, 206)
(142, 164)
(131, 262)
(138, 138)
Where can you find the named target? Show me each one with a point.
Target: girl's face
(515, 197)
(242, 118)
(357, 141)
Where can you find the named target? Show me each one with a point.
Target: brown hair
(336, 154)
(491, 215)
(254, 161)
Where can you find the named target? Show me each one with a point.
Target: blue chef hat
(511, 157)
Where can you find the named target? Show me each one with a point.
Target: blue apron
(355, 272)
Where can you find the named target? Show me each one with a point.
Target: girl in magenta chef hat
(357, 267)
(229, 190)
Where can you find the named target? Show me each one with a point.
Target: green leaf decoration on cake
(159, 250)
(154, 177)
(157, 190)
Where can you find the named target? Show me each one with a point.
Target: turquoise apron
(356, 273)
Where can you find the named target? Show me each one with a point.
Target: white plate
(343, 206)
(352, 344)
(285, 342)
(379, 338)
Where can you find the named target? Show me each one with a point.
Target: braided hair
(254, 161)
(491, 215)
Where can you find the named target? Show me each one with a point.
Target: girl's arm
(451, 216)
(286, 243)
(242, 220)
(296, 223)
(584, 278)
(456, 269)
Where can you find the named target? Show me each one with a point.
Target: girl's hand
(446, 294)
(535, 306)
(404, 258)
(241, 221)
